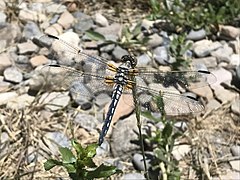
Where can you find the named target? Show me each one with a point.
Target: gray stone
(3, 18)
(224, 95)
(54, 8)
(107, 48)
(101, 20)
(12, 74)
(229, 31)
(122, 136)
(235, 164)
(204, 47)
(235, 150)
(154, 41)
(55, 100)
(27, 48)
(66, 20)
(20, 102)
(238, 72)
(235, 46)
(118, 52)
(210, 62)
(180, 151)
(138, 161)
(212, 105)
(115, 162)
(235, 106)
(3, 84)
(132, 176)
(84, 22)
(160, 54)
(222, 75)
(30, 15)
(102, 99)
(103, 149)
(235, 59)
(30, 30)
(3, 45)
(143, 60)
(86, 121)
(113, 30)
(222, 54)
(196, 35)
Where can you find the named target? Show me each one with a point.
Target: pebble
(204, 47)
(20, 102)
(180, 151)
(3, 18)
(54, 29)
(196, 35)
(27, 48)
(66, 20)
(160, 54)
(235, 164)
(235, 46)
(3, 84)
(55, 100)
(143, 60)
(5, 62)
(210, 62)
(113, 30)
(30, 15)
(224, 95)
(54, 8)
(138, 161)
(104, 149)
(30, 30)
(101, 20)
(222, 75)
(223, 54)
(235, 150)
(102, 99)
(118, 52)
(5, 97)
(235, 59)
(154, 41)
(229, 31)
(122, 137)
(132, 176)
(12, 74)
(235, 106)
(86, 121)
(38, 60)
(212, 105)
(84, 22)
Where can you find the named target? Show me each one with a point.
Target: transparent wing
(60, 77)
(67, 54)
(184, 79)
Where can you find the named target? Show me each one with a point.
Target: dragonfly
(90, 74)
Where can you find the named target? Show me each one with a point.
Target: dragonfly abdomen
(117, 92)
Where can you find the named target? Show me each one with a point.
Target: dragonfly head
(129, 59)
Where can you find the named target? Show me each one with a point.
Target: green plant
(81, 165)
(130, 39)
(163, 142)
(177, 49)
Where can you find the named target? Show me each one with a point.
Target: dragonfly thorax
(130, 61)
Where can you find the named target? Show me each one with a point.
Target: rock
(66, 20)
(30, 15)
(5, 62)
(138, 161)
(27, 48)
(55, 8)
(5, 97)
(235, 46)
(132, 176)
(101, 20)
(224, 95)
(203, 92)
(3, 18)
(55, 100)
(180, 151)
(30, 30)
(222, 75)
(115, 162)
(222, 54)
(123, 136)
(20, 102)
(38, 60)
(154, 41)
(235, 59)
(160, 54)
(54, 29)
(11, 33)
(118, 52)
(204, 47)
(229, 31)
(209, 62)
(3, 84)
(102, 99)
(181, 125)
(196, 35)
(235, 164)
(235, 106)
(143, 60)
(86, 121)
(103, 149)
(238, 72)
(235, 150)
(212, 105)
(13, 75)
(52, 140)
(107, 48)
(113, 30)
(84, 22)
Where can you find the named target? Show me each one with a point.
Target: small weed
(81, 165)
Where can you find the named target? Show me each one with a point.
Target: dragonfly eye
(131, 59)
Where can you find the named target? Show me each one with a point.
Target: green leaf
(167, 131)
(50, 163)
(70, 168)
(95, 35)
(91, 150)
(88, 162)
(79, 149)
(103, 171)
(67, 155)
